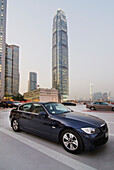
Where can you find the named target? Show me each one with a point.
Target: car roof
(40, 102)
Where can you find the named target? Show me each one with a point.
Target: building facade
(3, 5)
(15, 69)
(32, 85)
(42, 95)
(105, 96)
(8, 71)
(60, 71)
(101, 96)
(12, 70)
(91, 92)
(97, 96)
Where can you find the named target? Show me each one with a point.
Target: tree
(18, 97)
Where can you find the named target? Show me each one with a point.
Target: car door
(25, 115)
(106, 106)
(96, 105)
(40, 122)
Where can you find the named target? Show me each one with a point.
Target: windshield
(56, 108)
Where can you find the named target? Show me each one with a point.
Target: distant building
(91, 92)
(105, 96)
(12, 70)
(32, 84)
(60, 70)
(100, 96)
(97, 96)
(42, 95)
(3, 4)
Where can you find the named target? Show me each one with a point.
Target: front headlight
(89, 130)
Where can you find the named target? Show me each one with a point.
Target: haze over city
(90, 41)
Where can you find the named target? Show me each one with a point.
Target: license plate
(106, 135)
(9, 104)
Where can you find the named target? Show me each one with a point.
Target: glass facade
(3, 4)
(12, 70)
(32, 81)
(15, 69)
(60, 75)
(8, 71)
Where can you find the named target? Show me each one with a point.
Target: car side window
(38, 108)
(96, 103)
(105, 103)
(26, 107)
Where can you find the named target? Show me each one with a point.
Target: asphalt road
(25, 151)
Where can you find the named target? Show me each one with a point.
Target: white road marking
(111, 134)
(76, 165)
(110, 122)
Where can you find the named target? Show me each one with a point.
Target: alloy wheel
(92, 108)
(70, 141)
(15, 125)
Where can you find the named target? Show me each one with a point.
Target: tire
(112, 108)
(15, 125)
(92, 108)
(71, 141)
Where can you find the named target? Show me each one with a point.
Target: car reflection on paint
(76, 131)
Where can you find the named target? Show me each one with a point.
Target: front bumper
(92, 142)
(95, 140)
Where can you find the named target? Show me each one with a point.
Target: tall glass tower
(32, 81)
(3, 4)
(60, 76)
(12, 70)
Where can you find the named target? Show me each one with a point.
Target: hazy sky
(90, 39)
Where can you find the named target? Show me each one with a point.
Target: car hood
(83, 118)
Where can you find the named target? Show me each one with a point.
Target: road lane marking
(110, 122)
(111, 134)
(76, 165)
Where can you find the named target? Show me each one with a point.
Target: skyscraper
(3, 4)
(12, 70)
(15, 69)
(60, 75)
(91, 91)
(8, 71)
(32, 81)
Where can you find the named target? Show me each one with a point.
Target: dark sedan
(6, 104)
(69, 103)
(76, 131)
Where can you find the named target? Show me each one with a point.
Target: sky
(90, 40)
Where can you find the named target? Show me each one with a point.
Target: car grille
(103, 127)
(101, 141)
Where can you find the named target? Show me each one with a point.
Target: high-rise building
(60, 71)
(8, 71)
(15, 69)
(3, 4)
(91, 92)
(32, 81)
(12, 70)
